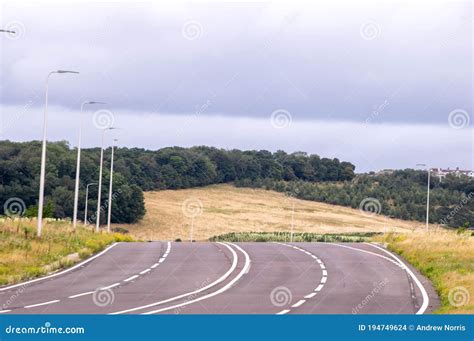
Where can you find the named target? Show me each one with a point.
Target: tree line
(401, 194)
(137, 170)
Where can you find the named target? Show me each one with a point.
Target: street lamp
(43, 152)
(87, 197)
(428, 194)
(99, 190)
(78, 165)
(110, 186)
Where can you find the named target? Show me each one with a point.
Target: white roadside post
(87, 198)
(78, 164)
(43, 152)
(109, 215)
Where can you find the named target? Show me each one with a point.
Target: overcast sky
(380, 84)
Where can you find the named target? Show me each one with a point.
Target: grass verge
(297, 237)
(446, 258)
(24, 256)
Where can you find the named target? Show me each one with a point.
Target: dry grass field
(221, 209)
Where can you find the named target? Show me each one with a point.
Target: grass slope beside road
(24, 256)
(221, 209)
(446, 258)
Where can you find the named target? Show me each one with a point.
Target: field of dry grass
(221, 209)
(446, 258)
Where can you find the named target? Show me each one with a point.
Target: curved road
(229, 278)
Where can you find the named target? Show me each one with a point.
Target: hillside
(220, 209)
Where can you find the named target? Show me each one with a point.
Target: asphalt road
(229, 278)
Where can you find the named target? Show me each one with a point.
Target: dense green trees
(139, 169)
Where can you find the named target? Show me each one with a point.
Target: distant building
(442, 173)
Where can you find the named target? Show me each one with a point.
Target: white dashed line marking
(297, 304)
(283, 312)
(40, 304)
(311, 295)
(325, 273)
(319, 287)
(130, 278)
(161, 260)
(323, 280)
(4, 311)
(145, 271)
(82, 294)
(154, 265)
(110, 286)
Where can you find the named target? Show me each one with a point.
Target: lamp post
(43, 153)
(87, 197)
(78, 165)
(427, 194)
(109, 215)
(99, 190)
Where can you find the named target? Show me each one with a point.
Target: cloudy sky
(381, 84)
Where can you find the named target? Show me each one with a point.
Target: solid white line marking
(154, 265)
(39, 304)
(283, 312)
(324, 279)
(325, 273)
(297, 304)
(62, 272)
(217, 292)
(110, 286)
(319, 287)
(424, 294)
(222, 278)
(4, 311)
(314, 256)
(311, 295)
(369, 252)
(145, 271)
(82, 294)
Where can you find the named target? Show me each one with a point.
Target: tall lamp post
(109, 215)
(99, 190)
(87, 198)
(43, 153)
(427, 194)
(78, 165)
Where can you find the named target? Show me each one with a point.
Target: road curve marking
(82, 294)
(369, 252)
(4, 311)
(40, 304)
(61, 272)
(130, 278)
(424, 294)
(219, 280)
(324, 278)
(242, 272)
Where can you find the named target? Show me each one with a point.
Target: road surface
(229, 278)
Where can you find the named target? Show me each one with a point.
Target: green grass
(446, 258)
(297, 237)
(25, 256)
